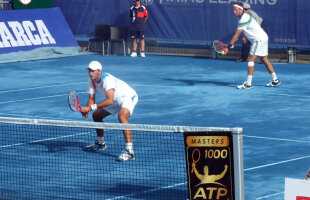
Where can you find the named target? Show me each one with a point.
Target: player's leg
(124, 114)
(99, 144)
(275, 81)
(134, 44)
(128, 154)
(262, 51)
(248, 83)
(142, 44)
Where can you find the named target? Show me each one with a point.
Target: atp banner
(23, 30)
(210, 165)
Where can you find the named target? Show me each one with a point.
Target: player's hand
(225, 51)
(86, 109)
(84, 115)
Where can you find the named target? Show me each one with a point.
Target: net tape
(117, 126)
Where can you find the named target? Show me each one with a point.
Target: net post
(238, 163)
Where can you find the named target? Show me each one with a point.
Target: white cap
(246, 6)
(94, 65)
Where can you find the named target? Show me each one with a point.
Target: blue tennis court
(172, 91)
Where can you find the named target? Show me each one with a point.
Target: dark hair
(239, 4)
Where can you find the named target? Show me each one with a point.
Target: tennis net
(46, 159)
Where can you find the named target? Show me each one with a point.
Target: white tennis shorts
(259, 48)
(127, 102)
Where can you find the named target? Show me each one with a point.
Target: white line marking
(47, 139)
(279, 139)
(36, 98)
(264, 197)
(37, 117)
(33, 98)
(277, 163)
(147, 191)
(33, 88)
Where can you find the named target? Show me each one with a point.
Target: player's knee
(250, 64)
(123, 116)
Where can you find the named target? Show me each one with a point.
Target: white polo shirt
(122, 92)
(251, 29)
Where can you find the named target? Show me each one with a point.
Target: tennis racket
(74, 102)
(218, 46)
(195, 157)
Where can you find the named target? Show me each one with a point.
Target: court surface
(185, 91)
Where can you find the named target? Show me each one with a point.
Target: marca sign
(25, 33)
(23, 30)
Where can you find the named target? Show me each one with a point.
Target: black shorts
(137, 34)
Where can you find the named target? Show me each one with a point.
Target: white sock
(249, 80)
(129, 147)
(274, 76)
(100, 139)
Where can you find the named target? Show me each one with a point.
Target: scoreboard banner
(23, 30)
(214, 167)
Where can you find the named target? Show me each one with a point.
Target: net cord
(118, 126)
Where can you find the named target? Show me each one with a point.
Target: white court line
(276, 163)
(272, 195)
(33, 88)
(279, 139)
(31, 116)
(147, 191)
(4, 102)
(36, 98)
(36, 141)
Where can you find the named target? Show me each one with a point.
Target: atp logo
(146, 2)
(208, 185)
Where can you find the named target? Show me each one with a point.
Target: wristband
(94, 107)
(229, 46)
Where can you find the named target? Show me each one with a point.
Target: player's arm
(233, 40)
(109, 100)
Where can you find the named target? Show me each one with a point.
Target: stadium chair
(118, 34)
(102, 35)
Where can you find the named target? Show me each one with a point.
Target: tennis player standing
(259, 45)
(138, 15)
(119, 98)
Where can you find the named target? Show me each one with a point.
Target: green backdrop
(30, 4)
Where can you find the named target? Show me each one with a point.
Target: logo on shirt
(146, 2)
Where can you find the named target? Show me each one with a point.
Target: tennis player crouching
(119, 98)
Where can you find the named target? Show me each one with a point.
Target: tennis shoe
(133, 54)
(142, 54)
(126, 156)
(245, 85)
(96, 146)
(274, 83)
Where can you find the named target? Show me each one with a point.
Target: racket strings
(73, 101)
(218, 46)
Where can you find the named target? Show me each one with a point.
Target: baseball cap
(94, 65)
(246, 6)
